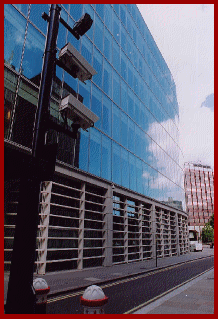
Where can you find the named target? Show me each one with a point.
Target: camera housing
(82, 26)
(77, 112)
(75, 64)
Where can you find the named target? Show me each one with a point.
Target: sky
(184, 34)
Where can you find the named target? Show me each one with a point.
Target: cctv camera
(74, 63)
(77, 112)
(82, 26)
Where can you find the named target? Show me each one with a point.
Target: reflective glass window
(136, 82)
(116, 163)
(107, 45)
(129, 24)
(116, 88)
(23, 8)
(146, 72)
(124, 96)
(71, 38)
(88, 9)
(116, 56)
(100, 10)
(123, 14)
(129, 47)
(25, 114)
(133, 13)
(97, 104)
(36, 15)
(131, 135)
(86, 49)
(106, 158)
(124, 130)
(84, 150)
(85, 92)
(14, 30)
(66, 6)
(138, 141)
(139, 176)
(10, 84)
(98, 66)
(123, 39)
(116, 123)
(76, 11)
(125, 167)
(132, 170)
(62, 31)
(98, 34)
(135, 57)
(131, 110)
(106, 116)
(134, 34)
(108, 16)
(130, 74)
(69, 80)
(33, 54)
(147, 156)
(116, 28)
(137, 111)
(107, 79)
(95, 152)
(57, 84)
(124, 63)
(116, 7)
(147, 93)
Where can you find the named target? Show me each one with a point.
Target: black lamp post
(21, 295)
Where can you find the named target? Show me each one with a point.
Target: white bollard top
(93, 297)
(40, 284)
(93, 293)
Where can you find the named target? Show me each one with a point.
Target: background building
(199, 193)
(134, 145)
(174, 203)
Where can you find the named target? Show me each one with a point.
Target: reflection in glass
(98, 38)
(23, 8)
(125, 167)
(116, 163)
(33, 54)
(97, 65)
(10, 84)
(116, 123)
(14, 30)
(25, 114)
(36, 15)
(95, 152)
(106, 158)
(106, 116)
(84, 150)
(97, 104)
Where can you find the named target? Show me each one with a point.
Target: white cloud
(184, 33)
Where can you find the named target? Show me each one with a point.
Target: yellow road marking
(123, 281)
(163, 294)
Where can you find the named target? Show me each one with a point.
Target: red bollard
(93, 300)
(41, 290)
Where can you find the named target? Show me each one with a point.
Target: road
(129, 293)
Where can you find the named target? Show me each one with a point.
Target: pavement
(71, 280)
(195, 297)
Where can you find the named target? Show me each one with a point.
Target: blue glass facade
(135, 143)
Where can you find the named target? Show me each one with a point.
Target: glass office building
(135, 142)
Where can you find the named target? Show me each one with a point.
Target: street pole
(21, 296)
(156, 248)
